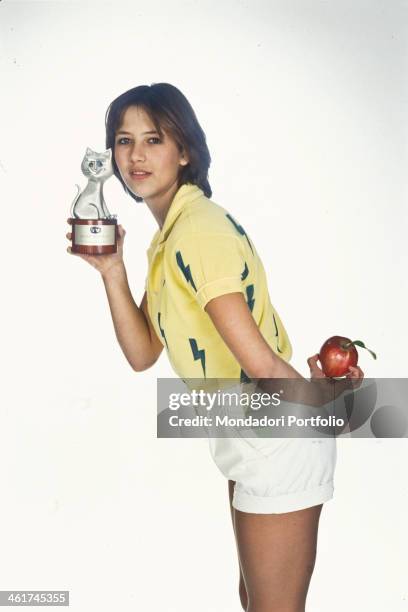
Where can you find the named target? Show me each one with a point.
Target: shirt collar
(186, 194)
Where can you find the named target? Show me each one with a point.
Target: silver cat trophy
(94, 229)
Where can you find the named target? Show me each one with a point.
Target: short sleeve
(209, 265)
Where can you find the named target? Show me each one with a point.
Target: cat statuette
(94, 229)
(90, 203)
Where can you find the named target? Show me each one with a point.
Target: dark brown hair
(170, 110)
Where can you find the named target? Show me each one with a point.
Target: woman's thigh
(277, 553)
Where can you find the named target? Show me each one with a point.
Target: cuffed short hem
(284, 503)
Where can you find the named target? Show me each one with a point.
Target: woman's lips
(139, 177)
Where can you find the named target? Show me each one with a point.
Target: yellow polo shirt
(202, 252)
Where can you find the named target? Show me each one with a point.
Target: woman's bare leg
(277, 555)
(242, 589)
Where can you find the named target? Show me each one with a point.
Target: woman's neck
(160, 204)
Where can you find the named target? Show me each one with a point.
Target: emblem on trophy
(94, 229)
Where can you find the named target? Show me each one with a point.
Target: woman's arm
(133, 327)
(236, 325)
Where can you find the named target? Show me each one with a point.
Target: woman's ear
(183, 157)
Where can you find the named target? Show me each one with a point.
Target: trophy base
(94, 236)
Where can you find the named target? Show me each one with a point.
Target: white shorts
(290, 474)
(275, 475)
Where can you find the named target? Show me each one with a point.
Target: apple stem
(360, 343)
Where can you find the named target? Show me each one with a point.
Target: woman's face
(149, 165)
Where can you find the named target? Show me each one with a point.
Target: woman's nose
(137, 153)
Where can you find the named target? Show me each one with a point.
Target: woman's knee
(276, 606)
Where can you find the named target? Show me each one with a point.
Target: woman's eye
(125, 141)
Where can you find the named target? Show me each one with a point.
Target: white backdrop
(304, 108)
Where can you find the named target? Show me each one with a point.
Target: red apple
(338, 354)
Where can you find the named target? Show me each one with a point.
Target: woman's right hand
(105, 264)
(354, 373)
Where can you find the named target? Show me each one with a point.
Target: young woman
(206, 301)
